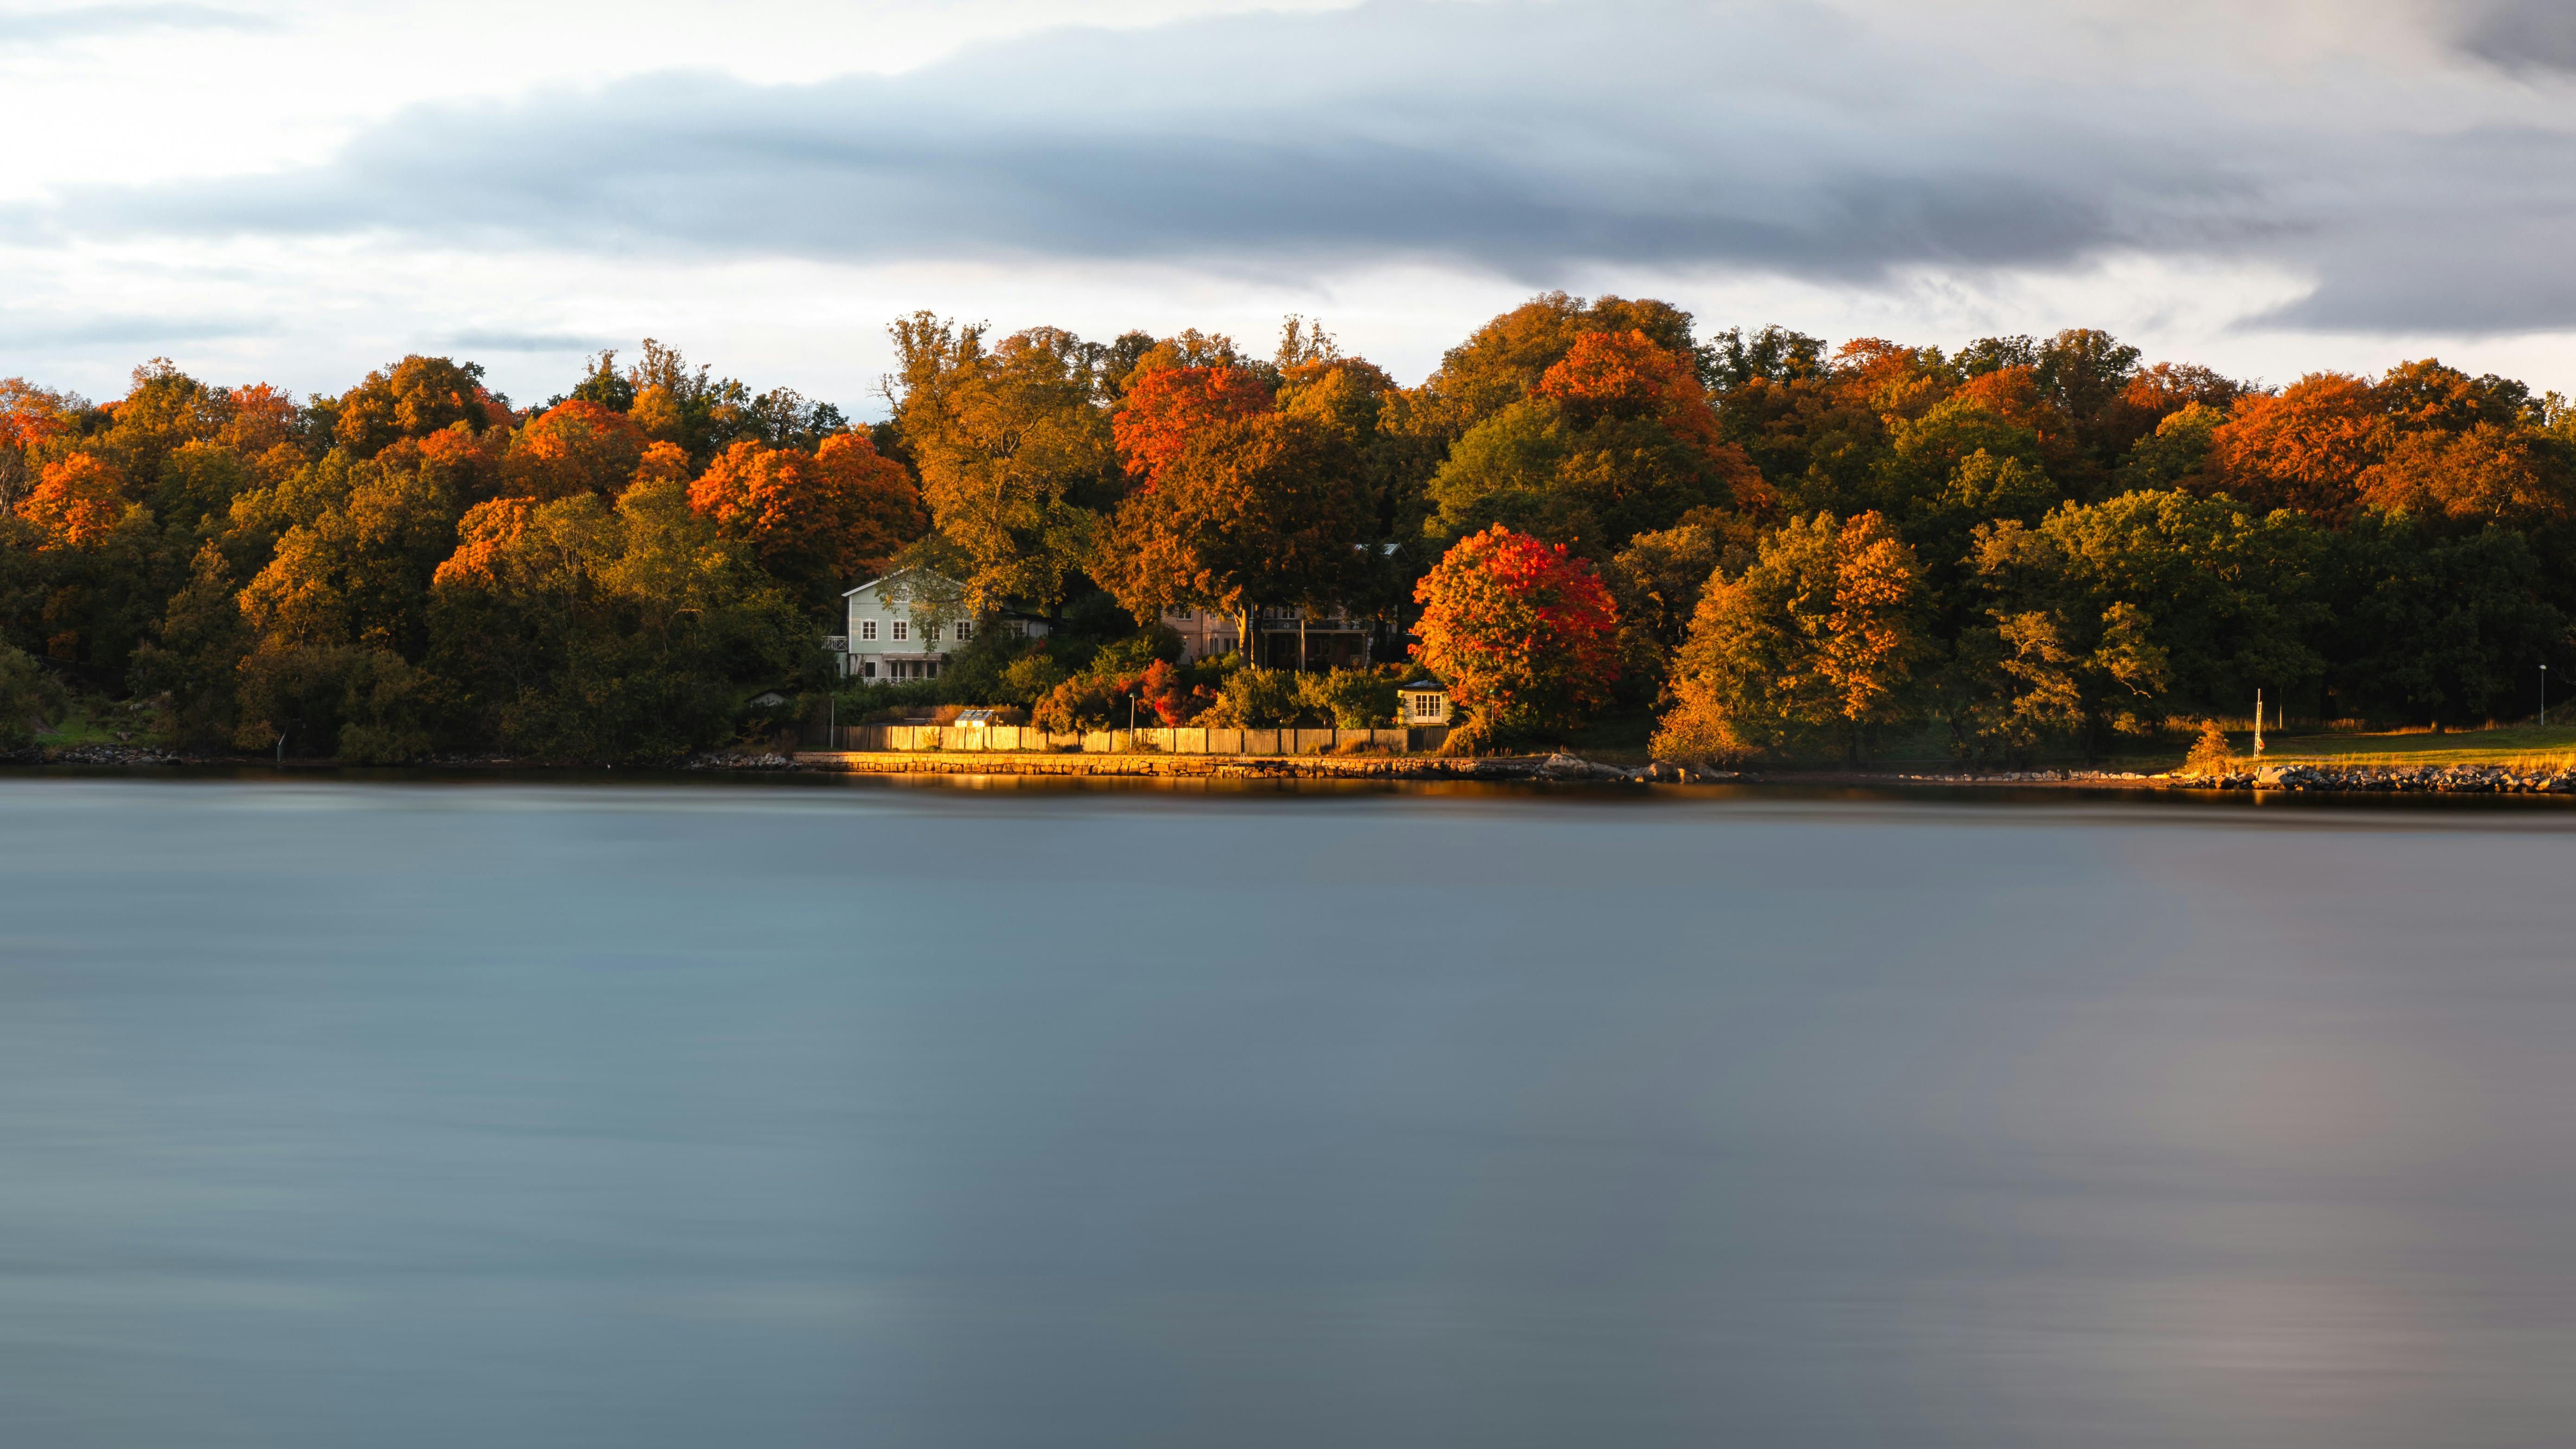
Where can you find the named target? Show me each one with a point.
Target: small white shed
(1423, 702)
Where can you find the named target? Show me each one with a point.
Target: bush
(1254, 699)
(29, 697)
(2210, 754)
(1353, 699)
(1086, 702)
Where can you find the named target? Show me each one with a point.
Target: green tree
(29, 698)
(578, 629)
(2108, 619)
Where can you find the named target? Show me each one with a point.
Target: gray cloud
(48, 27)
(1784, 138)
(505, 341)
(35, 329)
(2518, 34)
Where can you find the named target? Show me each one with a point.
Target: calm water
(400, 1115)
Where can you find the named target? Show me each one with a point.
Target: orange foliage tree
(78, 501)
(1624, 374)
(819, 521)
(1167, 407)
(1607, 375)
(2304, 447)
(486, 539)
(574, 447)
(1524, 633)
(262, 418)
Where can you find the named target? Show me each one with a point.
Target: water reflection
(346, 1113)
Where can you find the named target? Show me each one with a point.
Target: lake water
(345, 1114)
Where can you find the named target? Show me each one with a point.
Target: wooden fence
(1182, 741)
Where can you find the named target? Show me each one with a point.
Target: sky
(297, 192)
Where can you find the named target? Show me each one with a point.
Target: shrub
(1353, 699)
(1085, 702)
(2210, 754)
(28, 698)
(1254, 699)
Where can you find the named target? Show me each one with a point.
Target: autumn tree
(31, 417)
(76, 502)
(414, 397)
(2304, 447)
(1815, 643)
(1168, 406)
(1615, 439)
(1504, 360)
(359, 571)
(1524, 634)
(573, 447)
(1263, 510)
(578, 628)
(819, 522)
(1014, 450)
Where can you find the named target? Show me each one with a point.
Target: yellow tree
(1013, 448)
(1814, 643)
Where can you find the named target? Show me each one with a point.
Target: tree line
(1770, 546)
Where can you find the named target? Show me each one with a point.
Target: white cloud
(2303, 184)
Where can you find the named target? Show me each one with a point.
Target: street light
(2544, 696)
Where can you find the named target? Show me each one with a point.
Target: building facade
(1326, 639)
(1204, 632)
(893, 636)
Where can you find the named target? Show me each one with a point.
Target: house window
(868, 670)
(899, 627)
(867, 628)
(1180, 613)
(932, 633)
(965, 630)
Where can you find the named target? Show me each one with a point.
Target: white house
(898, 630)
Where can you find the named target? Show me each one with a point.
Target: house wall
(1202, 632)
(874, 651)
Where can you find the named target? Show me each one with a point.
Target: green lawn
(2524, 745)
(95, 722)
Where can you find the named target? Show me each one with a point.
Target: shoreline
(1559, 768)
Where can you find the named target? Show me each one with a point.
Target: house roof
(1425, 684)
(1005, 612)
(898, 573)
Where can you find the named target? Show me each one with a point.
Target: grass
(2523, 746)
(100, 722)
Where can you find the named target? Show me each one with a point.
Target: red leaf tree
(1169, 406)
(1525, 635)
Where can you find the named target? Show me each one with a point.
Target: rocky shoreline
(2359, 779)
(1557, 768)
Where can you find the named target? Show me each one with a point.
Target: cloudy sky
(299, 191)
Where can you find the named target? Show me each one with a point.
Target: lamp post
(2544, 696)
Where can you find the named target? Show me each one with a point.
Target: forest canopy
(1771, 544)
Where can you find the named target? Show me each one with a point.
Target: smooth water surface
(386, 1115)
